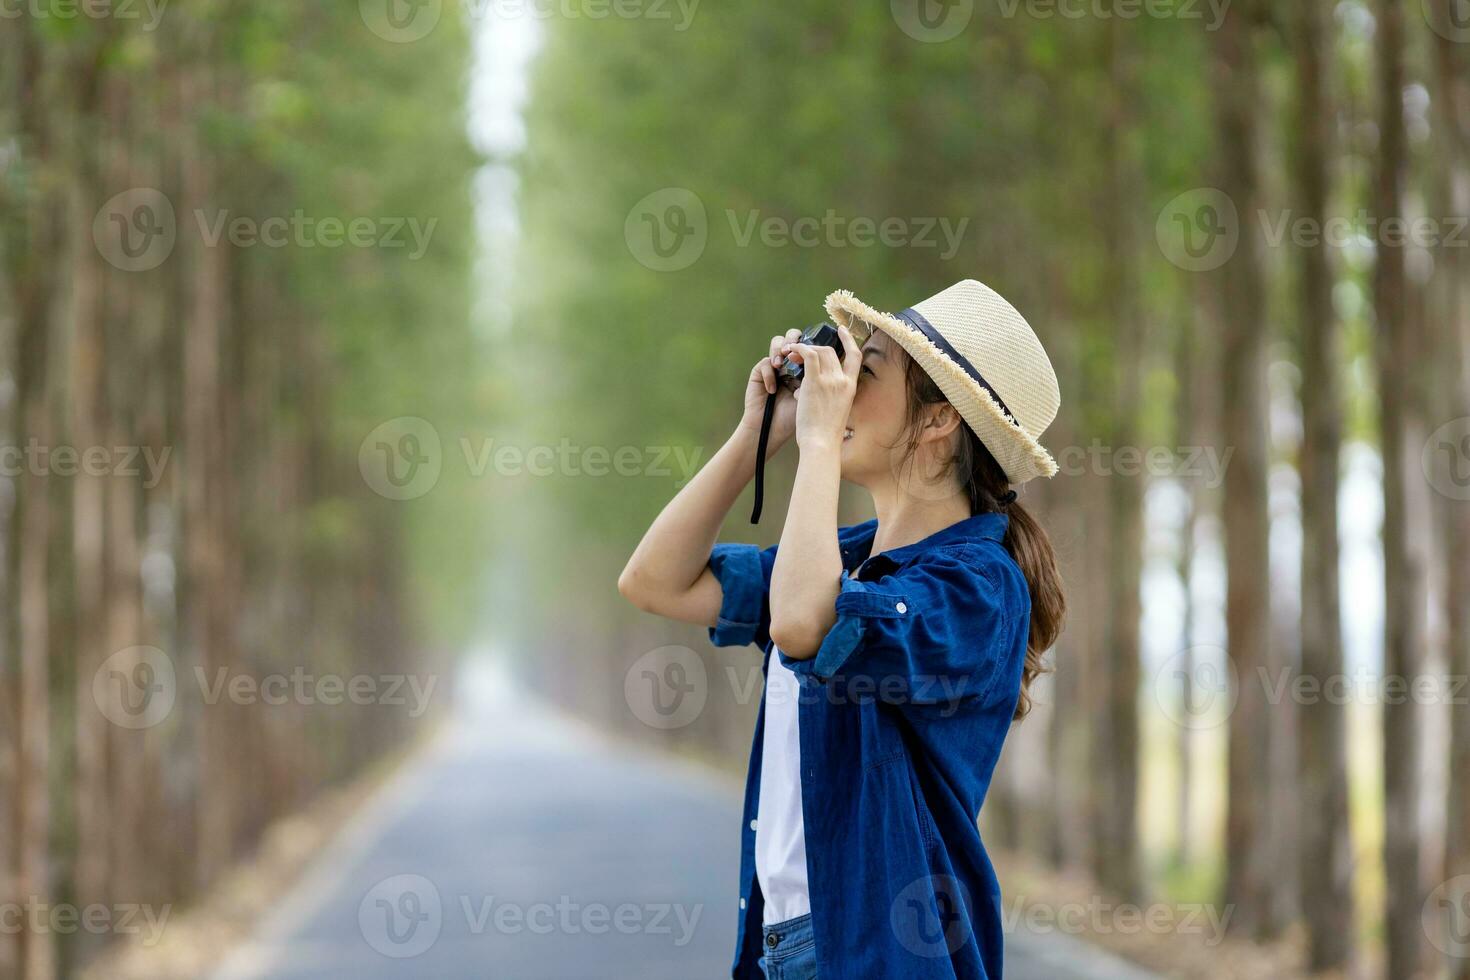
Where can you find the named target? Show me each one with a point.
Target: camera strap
(760, 455)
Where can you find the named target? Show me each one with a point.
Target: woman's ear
(940, 420)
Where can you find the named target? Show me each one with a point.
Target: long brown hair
(1027, 542)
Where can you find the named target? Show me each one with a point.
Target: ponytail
(1030, 546)
(1026, 541)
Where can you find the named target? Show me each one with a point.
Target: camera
(822, 335)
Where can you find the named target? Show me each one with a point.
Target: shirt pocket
(921, 806)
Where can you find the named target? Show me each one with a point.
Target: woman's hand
(828, 384)
(763, 381)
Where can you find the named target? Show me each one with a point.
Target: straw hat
(986, 359)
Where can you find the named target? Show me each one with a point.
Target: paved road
(525, 847)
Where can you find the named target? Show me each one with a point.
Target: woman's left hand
(828, 384)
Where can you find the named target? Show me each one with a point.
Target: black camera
(790, 375)
(822, 335)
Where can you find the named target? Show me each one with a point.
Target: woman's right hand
(761, 383)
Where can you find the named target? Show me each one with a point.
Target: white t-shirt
(780, 836)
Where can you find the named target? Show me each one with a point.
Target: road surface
(524, 846)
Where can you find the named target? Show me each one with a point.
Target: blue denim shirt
(902, 713)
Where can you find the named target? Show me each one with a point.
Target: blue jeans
(790, 950)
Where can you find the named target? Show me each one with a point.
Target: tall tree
(1404, 565)
(1452, 97)
(1119, 867)
(1326, 842)
(1249, 875)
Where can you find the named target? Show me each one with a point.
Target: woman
(897, 651)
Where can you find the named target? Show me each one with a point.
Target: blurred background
(347, 349)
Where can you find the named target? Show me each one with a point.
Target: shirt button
(742, 903)
(902, 607)
(752, 825)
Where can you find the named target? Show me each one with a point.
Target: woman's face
(877, 424)
(877, 447)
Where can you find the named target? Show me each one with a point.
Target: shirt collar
(857, 541)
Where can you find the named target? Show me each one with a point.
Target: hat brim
(1020, 456)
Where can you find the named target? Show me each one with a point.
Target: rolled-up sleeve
(935, 630)
(744, 572)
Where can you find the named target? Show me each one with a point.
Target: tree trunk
(204, 631)
(1326, 842)
(1452, 69)
(34, 285)
(1249, 874)
(1120, 861)
(1403, 563)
